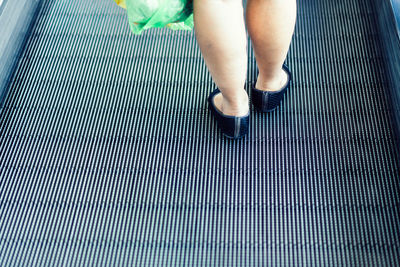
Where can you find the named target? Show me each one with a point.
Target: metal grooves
(108, 154)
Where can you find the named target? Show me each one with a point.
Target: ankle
(237, 105)
(274, 83)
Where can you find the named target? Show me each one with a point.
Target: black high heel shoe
(266, 101)
(232, 126)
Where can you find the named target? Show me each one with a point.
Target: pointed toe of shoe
(232, 127)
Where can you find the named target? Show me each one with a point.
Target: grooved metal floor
(108, 154)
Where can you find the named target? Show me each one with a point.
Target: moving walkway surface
(109, 155)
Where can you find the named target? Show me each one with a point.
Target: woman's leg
(270, 24)
(221, 34)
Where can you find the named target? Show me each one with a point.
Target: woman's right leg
(270, 24)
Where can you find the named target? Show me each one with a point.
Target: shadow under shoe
(231, 126)
(266, 101)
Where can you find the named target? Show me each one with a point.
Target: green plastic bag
(146, 14)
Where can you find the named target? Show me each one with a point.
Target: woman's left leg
(220, 32)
